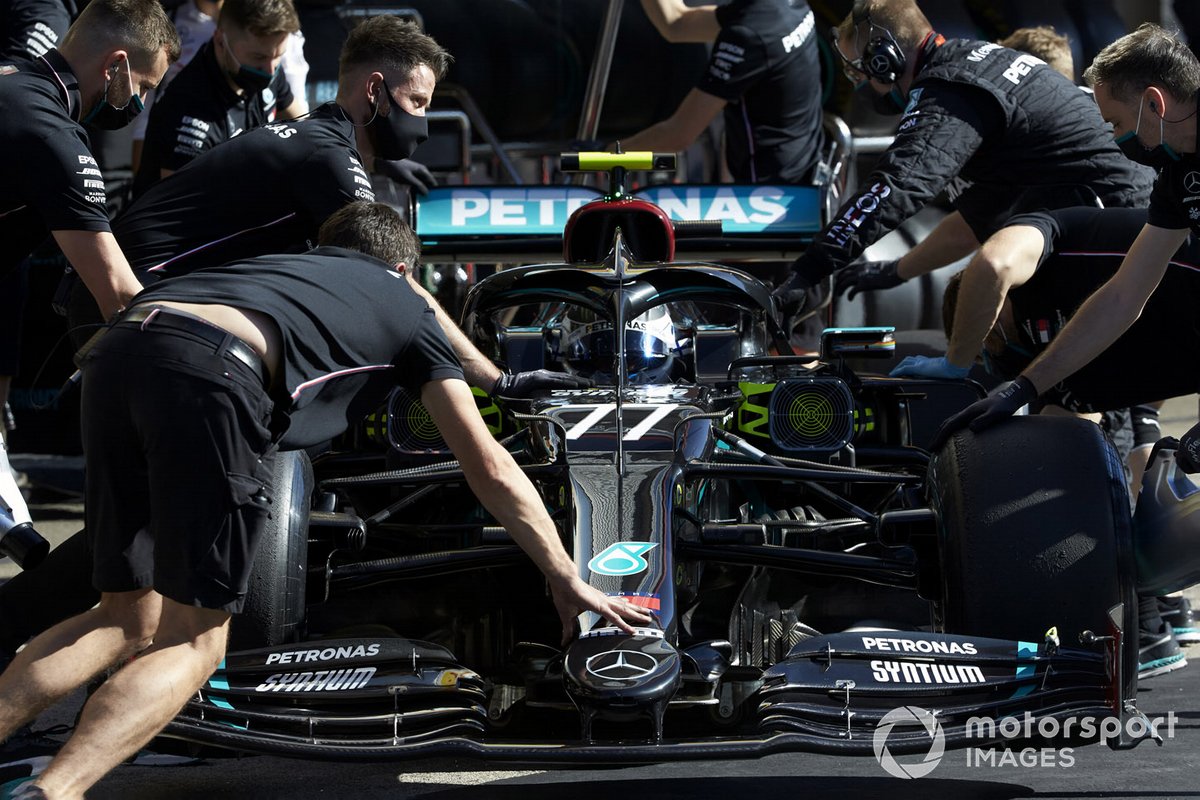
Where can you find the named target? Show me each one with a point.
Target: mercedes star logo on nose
(1191, 182)
(621, 665)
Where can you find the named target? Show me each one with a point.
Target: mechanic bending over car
(49, 180)
(1014, 298)
(1023, 135)
(1144, 78)
(1042, 41)
(269, 190)
(1029, 278)
(293, 175)
(196, 22)
(234, 84)
(186, 397)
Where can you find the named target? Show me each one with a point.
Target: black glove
(523, 384)
(789, 296)
(407, 171)
(1000, 404)
(866, 276)
(1187, 456)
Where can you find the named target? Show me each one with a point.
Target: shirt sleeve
(942, 128)
(428, 357)
(738, 62)
(1165, 211)
(63, 183)
(32, 27)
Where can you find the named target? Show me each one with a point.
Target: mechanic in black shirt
(49, 180)
(269, 190)
(179, 405)
(1147, 86)
(232, 85)
(31, 28)
(1022, 134)
(762, 74)
(1027, 281)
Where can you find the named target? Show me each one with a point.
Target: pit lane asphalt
(1149, 771)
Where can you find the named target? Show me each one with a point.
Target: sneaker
(1177, 610)
(1159, 653)
(21, 789)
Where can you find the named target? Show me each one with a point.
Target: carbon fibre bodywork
(771, 511)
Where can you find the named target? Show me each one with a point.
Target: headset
(883, 57)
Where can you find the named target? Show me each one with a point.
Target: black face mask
(397, 135)
(248, 79)
(105, 116)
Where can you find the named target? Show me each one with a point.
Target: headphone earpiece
(883, 58)
(1153, 107)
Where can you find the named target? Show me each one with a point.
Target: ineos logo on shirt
(1191, 182)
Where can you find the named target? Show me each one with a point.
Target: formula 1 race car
(810, 565)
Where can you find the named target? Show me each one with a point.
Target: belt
(174, 319)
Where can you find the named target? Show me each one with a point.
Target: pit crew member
(234, 84)
(49, 180)
(1022, 134)
(196, 21)
(1147, 86)
(185, 397)
(760, 77)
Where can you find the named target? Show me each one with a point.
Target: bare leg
(73, 652)
(139, 700)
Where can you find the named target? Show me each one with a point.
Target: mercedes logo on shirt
(621, 665)
(1191, 182)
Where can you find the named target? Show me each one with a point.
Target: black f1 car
(809, 564)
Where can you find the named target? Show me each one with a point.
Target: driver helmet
(653, 350)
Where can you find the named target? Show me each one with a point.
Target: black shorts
(179, 451)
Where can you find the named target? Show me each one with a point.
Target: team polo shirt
(49, 180)
(351, 328)
(199, 112)
(266, 191)
(765, 64)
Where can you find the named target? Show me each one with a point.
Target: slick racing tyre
(1034, 529)
(274, 609)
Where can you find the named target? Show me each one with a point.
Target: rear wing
(518, 224)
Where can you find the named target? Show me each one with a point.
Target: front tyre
(1034, 529)
(274, 609)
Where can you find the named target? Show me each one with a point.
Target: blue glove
(1002, 403)
(926, 367)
